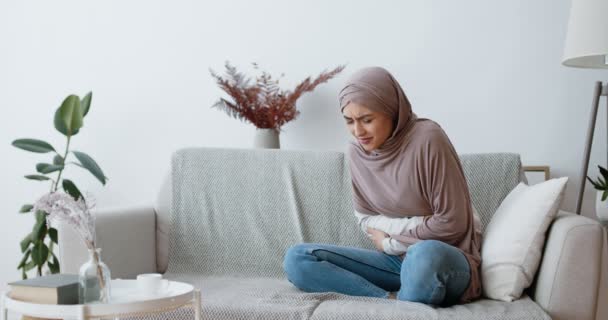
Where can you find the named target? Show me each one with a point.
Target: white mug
(150, 284)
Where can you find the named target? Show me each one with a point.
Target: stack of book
(51, 289)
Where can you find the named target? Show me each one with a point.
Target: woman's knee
(423, 260)
(292, 255)
(428, 258)
(421, 272)
(429, 254)
(293, 262)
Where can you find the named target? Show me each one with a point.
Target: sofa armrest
(127, 237)
(572, 281)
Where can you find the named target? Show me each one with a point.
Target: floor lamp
(587, 47)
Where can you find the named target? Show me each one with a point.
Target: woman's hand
(377, 236)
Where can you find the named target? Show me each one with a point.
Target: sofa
(224, 218)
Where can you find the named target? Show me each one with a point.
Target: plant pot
(601, 208)
(266, 139)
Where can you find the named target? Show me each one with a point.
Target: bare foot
(392, 295)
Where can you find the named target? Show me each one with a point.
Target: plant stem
(67, 147)
(50, 250)
(102, 281)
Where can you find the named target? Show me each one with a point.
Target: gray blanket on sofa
(234, 214)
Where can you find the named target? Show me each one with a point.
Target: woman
(406, 176)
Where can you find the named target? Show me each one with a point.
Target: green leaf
(25, 242)
(33, 145)
(85, 103)
(54, 236)
(58, 160)
(70, 188)
(40, 253)
(603, 172)
(56, 262)
(23, 274)
(595, 185)
(53, 267)
(37, 177)
(604, 195)
(26, 256)
(30, 265)
(39, 230)
(76, 163)
(47, 168)
(40, 216)
(90, 164)
(26, 208)
(68, 117)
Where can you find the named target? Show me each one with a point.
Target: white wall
(488, 71)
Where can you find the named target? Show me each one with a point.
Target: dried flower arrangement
(263, 103)
(61, 207)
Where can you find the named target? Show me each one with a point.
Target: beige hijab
(416, 172)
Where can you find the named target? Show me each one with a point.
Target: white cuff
(393, 247)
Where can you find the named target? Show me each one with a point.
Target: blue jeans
(433, 272)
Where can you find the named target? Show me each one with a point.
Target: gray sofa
(224, 218)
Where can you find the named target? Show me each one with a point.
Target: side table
(125, 301)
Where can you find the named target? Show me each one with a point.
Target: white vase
(266, 139)
(601, 208)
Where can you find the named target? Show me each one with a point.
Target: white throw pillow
(513, 240)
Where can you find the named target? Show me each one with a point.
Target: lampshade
(587, 38)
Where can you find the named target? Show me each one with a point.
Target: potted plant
(601, 185)
(262, 102)
(37, 246)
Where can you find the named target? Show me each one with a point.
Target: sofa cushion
(514, 239)
(269, 298)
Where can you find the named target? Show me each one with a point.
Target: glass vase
(94, 280)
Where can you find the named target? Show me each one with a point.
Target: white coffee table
(125, 301)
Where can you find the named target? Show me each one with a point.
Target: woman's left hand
(377, 236)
